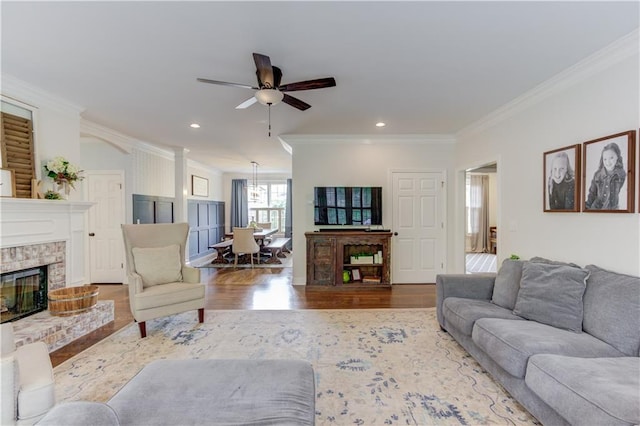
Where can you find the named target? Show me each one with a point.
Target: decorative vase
(63, 186)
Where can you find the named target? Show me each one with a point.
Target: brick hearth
(57, 332)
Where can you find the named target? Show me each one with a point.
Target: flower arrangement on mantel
(63, 173)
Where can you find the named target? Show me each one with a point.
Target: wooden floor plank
(260, 289)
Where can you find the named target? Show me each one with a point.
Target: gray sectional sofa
(562, 340)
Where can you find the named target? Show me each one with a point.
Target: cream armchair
(28, 388)
(160, 283)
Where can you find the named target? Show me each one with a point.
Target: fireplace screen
(23, 293)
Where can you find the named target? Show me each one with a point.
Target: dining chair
(244, 243)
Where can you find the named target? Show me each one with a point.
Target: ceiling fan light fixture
(269, 96)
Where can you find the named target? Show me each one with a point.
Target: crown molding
(416, 139)
(122, 142)
(36, 97)
(616, 52)
(149, 148)
(197, 165)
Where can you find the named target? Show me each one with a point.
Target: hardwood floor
(260, 289)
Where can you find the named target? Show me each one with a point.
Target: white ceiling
(422, 67)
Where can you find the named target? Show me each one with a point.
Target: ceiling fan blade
(295, 102)
(264, 71)
(246, 104)
(226, 83)
(308, 85)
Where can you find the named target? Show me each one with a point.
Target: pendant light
(253, 194)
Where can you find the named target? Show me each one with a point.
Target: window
(267, 204)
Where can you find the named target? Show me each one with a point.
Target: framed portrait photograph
(561, 179)
(199, 186)
(609, 174)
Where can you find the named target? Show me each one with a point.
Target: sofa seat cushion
(606, 391)
(80, 413)
(218, 391)
(461, 313)
(168, 294)
(511, 343)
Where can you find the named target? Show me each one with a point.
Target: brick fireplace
(49, 233)
(50, 257)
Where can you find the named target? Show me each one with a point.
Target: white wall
(213, 176)
(580, 110)
(353, 162)
(96, 154)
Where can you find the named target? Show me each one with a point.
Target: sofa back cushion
(612, 309)
(507, 284)
(552, 294)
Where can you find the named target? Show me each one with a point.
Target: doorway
(481, 223)
(419, 246)
(106, 249)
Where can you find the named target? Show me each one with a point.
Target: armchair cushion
(158, 265)
(167, 295)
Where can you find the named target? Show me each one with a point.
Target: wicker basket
(72, 300)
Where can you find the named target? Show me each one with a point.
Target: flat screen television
(348, 205)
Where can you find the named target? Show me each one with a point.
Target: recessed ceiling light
(194, 125)
(380, 124)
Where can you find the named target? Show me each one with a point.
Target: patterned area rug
(373, 367)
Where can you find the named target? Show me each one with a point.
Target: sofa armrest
(190, 275)
(469, 286)
(9, 379)
(36, 395)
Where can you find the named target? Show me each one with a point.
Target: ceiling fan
(269, 91)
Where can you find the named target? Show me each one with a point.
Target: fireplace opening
(23, 293)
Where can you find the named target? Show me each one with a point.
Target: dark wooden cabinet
(362, 257)
(206, 226)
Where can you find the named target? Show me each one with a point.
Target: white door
(418, 223)
(106, 189)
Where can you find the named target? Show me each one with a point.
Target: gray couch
(203, 392)
(562, 340)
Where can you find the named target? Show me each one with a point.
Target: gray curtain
(478, 211)
(288, 214)
(239, 204)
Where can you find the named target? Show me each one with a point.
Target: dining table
(259, 234)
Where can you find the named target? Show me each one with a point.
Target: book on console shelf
(371, 279)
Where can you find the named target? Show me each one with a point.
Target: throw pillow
(552, 294)
(158, 265)
(507, 284)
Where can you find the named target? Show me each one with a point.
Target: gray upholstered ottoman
(207, 392)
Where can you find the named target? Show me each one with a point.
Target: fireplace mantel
(28, 221)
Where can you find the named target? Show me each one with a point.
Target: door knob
(395, 233)
(92, 234)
